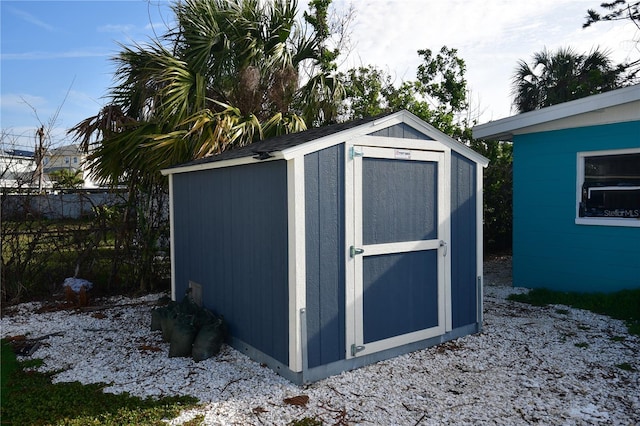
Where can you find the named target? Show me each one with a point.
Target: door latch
(353, 251)
(443, 244)
(355, 349)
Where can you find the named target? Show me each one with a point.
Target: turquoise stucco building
(576, 192)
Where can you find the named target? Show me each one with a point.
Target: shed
(335, 247)
(576, 192)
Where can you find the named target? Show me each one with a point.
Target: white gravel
(553, 365)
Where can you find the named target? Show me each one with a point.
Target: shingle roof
(279, 143)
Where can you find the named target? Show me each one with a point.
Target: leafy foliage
(619, 10)
(497, 193)
(229, 73)
(616, 10)
(438, 95)
(67, 179)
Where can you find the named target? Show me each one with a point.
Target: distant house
(336, 247)
(69, 157)
(17, 168)
(64, 157)
(576, 192)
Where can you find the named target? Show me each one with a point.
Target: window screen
(611, 186)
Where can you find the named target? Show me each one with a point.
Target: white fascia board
(342, 136)
(382, 123)
(505, 128)
(276, 155)
(447, 140)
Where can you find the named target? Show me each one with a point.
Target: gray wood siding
(230, 236)
(463, 241)
(401, 130)
(325, 288)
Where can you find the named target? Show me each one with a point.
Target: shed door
(396, 255)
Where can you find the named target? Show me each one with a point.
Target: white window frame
(603, 221)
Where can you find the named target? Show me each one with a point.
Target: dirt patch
(497, 271)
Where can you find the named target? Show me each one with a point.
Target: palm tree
(553, 78)
(67, 179)
(230, 73)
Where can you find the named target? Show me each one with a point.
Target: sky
(56, 67)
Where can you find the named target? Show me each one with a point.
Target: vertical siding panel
(231, 230)
(312, 264)
(324, 203)
(402, 131)
(463, 244)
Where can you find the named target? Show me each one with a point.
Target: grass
(8, 364)
(29, 398)
(623, 305)
(625, 366)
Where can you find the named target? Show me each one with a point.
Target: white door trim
(435, 152)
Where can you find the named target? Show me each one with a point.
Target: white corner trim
(480, 242)
(172, 238)
(297, 259)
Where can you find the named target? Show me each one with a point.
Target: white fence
(57, 206)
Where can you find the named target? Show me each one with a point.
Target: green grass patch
(626, 366)
(582, 345)
(8, 365)
(623, 305)
(307, 421)
(29, 398)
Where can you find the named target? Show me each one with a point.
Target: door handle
(443, 244)
(353, 251)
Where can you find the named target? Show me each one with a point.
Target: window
(75, 160)
(609, 188)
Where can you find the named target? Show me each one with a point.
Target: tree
(617, 10)
(620, 10)
(562, 76)
(438, 95)
(367, 92)
(229, 73)
(497, 193)
(67, 179)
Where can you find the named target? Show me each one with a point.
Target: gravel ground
(553, 365)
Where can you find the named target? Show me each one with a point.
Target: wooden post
(39, 157)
